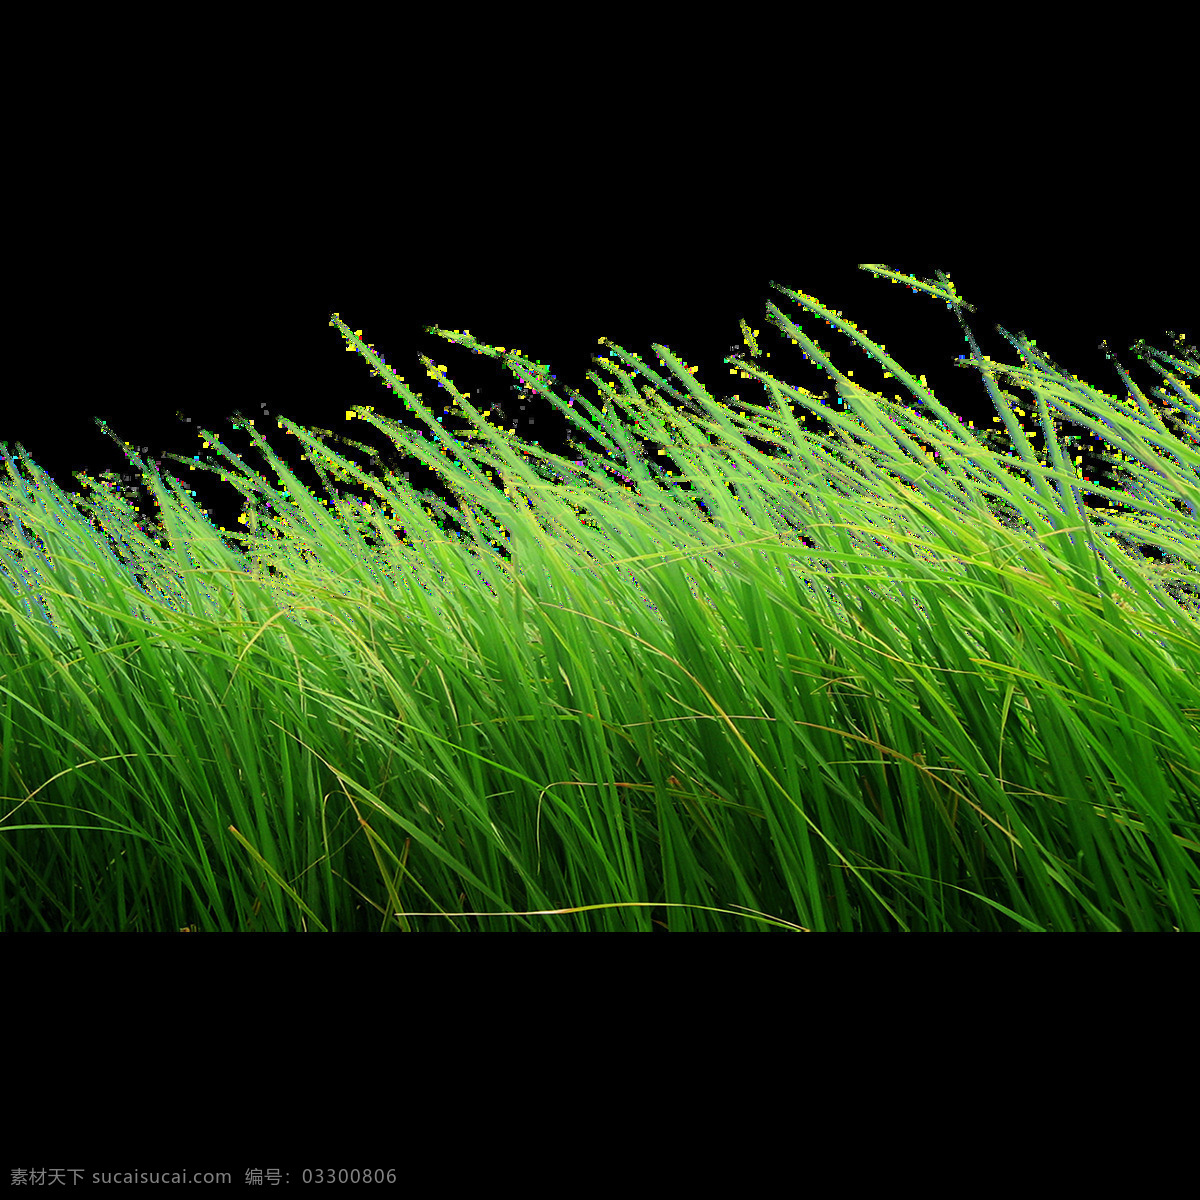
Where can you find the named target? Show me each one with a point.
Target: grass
(890, 678)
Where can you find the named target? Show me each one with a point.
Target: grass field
(888, 678)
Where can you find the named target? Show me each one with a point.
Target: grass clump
(887, 679)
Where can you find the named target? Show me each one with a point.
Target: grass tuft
(888, 678)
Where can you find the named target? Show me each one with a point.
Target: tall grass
(887, 678)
